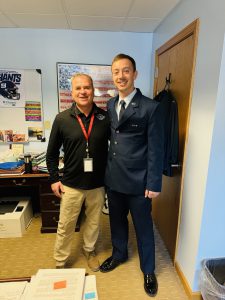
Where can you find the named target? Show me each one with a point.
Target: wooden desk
(43, 200)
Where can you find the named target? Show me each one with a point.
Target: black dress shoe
(110, 264)
(150, 284)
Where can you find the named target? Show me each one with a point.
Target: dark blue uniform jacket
(135, 159)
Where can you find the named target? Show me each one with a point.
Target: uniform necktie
(122, 108)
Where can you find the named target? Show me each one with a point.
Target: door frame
(191, 30)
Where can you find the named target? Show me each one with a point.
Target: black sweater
(66, 132)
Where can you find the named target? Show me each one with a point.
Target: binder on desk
(14, 168)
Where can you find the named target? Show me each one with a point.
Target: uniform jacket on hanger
(169, 109)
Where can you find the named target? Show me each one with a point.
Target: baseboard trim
(191, 295)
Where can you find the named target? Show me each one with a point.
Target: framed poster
(102, 79)
(20, 105)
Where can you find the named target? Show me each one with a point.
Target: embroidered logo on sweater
(100, 117)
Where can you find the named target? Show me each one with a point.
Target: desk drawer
(50, 218)
(49, 202)
(45, 186)
(18, 182)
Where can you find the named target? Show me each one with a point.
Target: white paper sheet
(60, 284)
(90, 289)
(12, 290)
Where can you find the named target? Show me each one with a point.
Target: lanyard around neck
(86, 134)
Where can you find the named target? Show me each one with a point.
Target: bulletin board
(21, 115)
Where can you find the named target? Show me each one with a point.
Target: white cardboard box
(14, 224)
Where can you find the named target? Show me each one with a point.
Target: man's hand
(57, 189)
(151, 194)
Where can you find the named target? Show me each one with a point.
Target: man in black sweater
(82, 131)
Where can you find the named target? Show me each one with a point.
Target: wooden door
(176, 57)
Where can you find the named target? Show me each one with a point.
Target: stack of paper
(12, 290)
(42, 167)
(52, 284)
(90, 289)
(14, 168)
(38, 158)
(65, 284)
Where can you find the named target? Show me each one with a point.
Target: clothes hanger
(168, 82)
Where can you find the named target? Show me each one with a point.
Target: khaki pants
(70, 206)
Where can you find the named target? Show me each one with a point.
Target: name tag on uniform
(88, 164)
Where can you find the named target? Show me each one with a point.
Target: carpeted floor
(22, 257)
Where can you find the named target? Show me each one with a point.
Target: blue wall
(41, 49)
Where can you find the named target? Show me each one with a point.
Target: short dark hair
(125, 56)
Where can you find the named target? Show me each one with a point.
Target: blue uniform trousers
(140, 209)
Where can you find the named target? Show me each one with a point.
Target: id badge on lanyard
(88, 164)
(88, 161)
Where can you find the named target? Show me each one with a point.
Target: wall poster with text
(20, 105)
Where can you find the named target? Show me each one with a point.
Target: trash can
(212, 279)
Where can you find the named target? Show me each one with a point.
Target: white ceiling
(104, 15)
